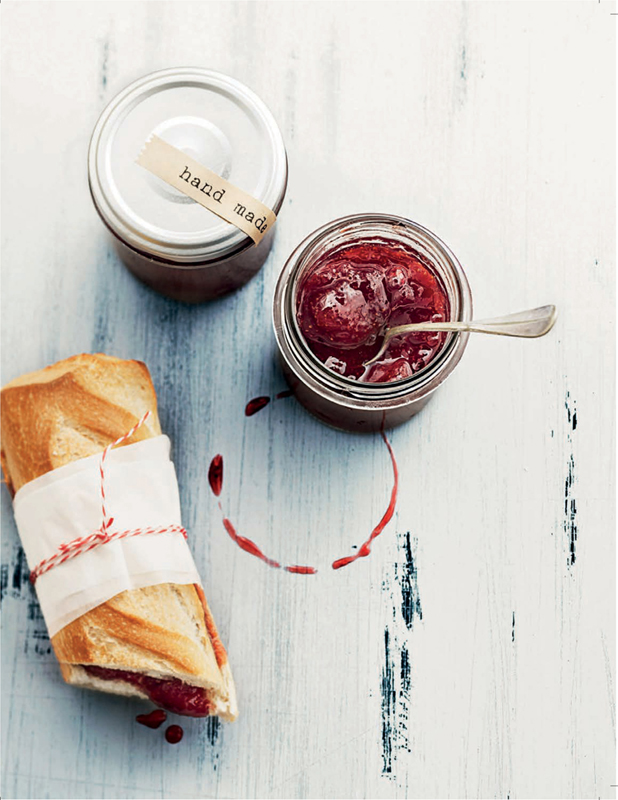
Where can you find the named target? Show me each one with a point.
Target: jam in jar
(342, 288)
(352, 295)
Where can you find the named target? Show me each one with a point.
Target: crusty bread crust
(155, 630)
(72, 410)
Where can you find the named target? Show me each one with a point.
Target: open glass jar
(165, 238)
(341, 401)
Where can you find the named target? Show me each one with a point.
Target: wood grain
(473, 654)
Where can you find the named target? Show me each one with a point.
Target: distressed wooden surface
(473, 654)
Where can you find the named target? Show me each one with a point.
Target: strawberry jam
(172, 695)
(154, 719)
(351, 295)
(174, 734)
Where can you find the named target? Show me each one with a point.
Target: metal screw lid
(213, 118)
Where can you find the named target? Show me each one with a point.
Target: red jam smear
(351, 295)
(365, 548)
(297, 569)
(216, 468)
(172, 695)
(247, 545)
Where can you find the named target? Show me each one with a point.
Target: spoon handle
(528, 324)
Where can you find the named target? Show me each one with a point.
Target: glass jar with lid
(165, 238)
(343, 400)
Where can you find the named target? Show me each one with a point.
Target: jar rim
(207, 243)
(308, 367)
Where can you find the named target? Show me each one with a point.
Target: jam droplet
(365, 548)
(255, 405)
(154, 719)
(174, 734)
(215, 474)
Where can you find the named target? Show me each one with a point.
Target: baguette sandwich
(159, 642)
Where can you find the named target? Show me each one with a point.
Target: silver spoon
(529, 324)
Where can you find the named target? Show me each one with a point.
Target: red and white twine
(82, 544)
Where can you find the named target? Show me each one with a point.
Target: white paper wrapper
(141, 490)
